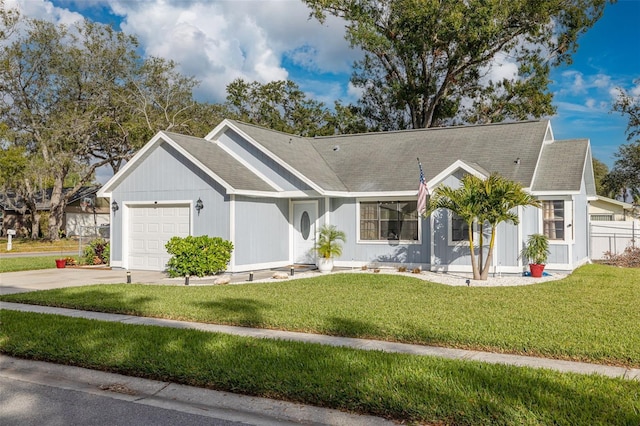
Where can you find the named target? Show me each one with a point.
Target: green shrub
(197, 256)
(97, 252)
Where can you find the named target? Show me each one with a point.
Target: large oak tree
(79, 97)
(426, 62)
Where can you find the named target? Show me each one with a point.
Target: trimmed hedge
(197, 256)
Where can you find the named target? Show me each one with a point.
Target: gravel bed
(448, 278)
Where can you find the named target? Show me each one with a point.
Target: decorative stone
(224, 279)
(280, 276)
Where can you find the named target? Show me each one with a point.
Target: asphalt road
(24, 404)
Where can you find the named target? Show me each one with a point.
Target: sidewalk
(364, 344)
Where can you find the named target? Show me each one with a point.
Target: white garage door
(149, 230)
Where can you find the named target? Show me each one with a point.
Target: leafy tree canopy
(625, 174)
(77, 97)
(426, 62)
(600, 170)
(282, 105)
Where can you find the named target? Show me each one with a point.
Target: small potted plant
(536, 251)
(328, 246)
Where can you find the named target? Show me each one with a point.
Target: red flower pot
(61, 263)
(536, 270)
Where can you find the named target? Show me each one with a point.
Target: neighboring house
(614, 227)
(86, 214)
(608, 209)
(79, 211)
(269, 192)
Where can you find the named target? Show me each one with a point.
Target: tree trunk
(481, 247)
(472, 250)
(35, 225)
(485, 268)
(58, 203)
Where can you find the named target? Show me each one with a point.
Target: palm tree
(501, 197)
(464, 201)
(491, 201)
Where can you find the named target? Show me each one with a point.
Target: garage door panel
(150, 229)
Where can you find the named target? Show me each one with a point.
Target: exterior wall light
(114, 206)
(199, 206)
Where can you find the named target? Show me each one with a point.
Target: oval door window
(305, 225)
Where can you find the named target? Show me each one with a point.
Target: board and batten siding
(261, 231)
(507, 249)
(265, 165)
(581, 227)
(344, 215)
(166, 176)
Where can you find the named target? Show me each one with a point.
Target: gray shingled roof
(300, 153)
(561, 166)
(386, 161)
(221, 163)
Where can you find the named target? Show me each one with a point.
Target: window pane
(389, 230)
(389, 220)
(553, 219)
(459, 229)
(389, 210)
(409, 231)
(368, 210)
(369, 230)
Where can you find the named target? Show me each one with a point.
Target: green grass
(13, 264)
(24, 245)
(592, 316)
(402, 387)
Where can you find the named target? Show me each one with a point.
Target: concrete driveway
(45, 279)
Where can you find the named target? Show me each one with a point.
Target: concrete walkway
(364, 344)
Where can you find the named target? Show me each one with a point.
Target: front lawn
(31, 263)
(24, 245)
(593, 315)
(424, 390)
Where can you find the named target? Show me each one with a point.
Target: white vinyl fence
(613, 237)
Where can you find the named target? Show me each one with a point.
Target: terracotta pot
(536, 270)
(61, 263)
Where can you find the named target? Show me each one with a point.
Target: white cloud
(573, 82)
(42, 9)
(219, 41)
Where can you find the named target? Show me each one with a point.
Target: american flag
(423, 192)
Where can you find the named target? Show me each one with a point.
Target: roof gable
(562, 166)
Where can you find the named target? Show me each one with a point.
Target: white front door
(149, 230)
(305, 215)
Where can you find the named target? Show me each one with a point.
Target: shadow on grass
(243, 311)
(402, 387)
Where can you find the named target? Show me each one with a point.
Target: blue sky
(265, 40)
